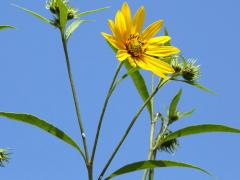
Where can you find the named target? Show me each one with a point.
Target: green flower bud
(176, 66)
(71, 13)
(4, 157)
(52, 5)
(190, 71)
(169, 146)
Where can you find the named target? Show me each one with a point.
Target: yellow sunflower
(141, 48)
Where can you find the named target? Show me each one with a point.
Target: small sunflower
(141, 48)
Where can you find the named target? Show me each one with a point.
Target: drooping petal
(127, 15)
(120, 24)
(144, 65)
(159, 40)
(138, 20)
(158, 64)
(112, 41)
(122, 55)
(152, 29)
(162, 51)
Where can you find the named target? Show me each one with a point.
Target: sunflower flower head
(140, 48)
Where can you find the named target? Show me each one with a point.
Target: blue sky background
(34, 80)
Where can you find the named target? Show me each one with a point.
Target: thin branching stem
(80, 122)
(110, 91)
(152, 131)
(160, 84)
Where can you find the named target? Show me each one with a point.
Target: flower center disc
(134, 45)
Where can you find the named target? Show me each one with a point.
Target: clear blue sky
(34, 80)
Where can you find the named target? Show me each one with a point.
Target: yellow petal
(120, 24)
(112, 26)
(127, 15)
(132, 61)
(152, 30)
(158, 64)
(159, 40)
(162, 51)
(112, 41)
(144, 65)
(138, 20)
(122, 55)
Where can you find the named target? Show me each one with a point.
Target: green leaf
(174, 103)
(63, 14)
(45, 126)
(185, 114)
(34, 14)
(91, 11)
(203, 88)
(197, 85)
(140, 85)
(152, 164)
(72, 27)
(6, 27)
(138, 81)
(198, 129)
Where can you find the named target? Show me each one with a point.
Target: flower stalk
(160, 84)
(110, 91)
(80, 122)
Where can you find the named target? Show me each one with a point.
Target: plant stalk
(110, 91)
(80, 122)
(152, 131)
(160, 84)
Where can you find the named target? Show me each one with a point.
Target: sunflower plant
(137, 50)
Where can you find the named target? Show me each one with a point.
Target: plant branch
(64, 42)
(160, 84)
(110, 91)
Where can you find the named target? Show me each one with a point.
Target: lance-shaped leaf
(197, 86)
(63, 14)
(6, 27)
(34, 14)
(35, 121)
(173, 106)
(150, 164)
(138, 81)
(198, 129)
(91, 11)
(185, 114)
(73, 27)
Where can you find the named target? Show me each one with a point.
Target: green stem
(153, 124)
(160, 84)
(64, 42)
(110, 91)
